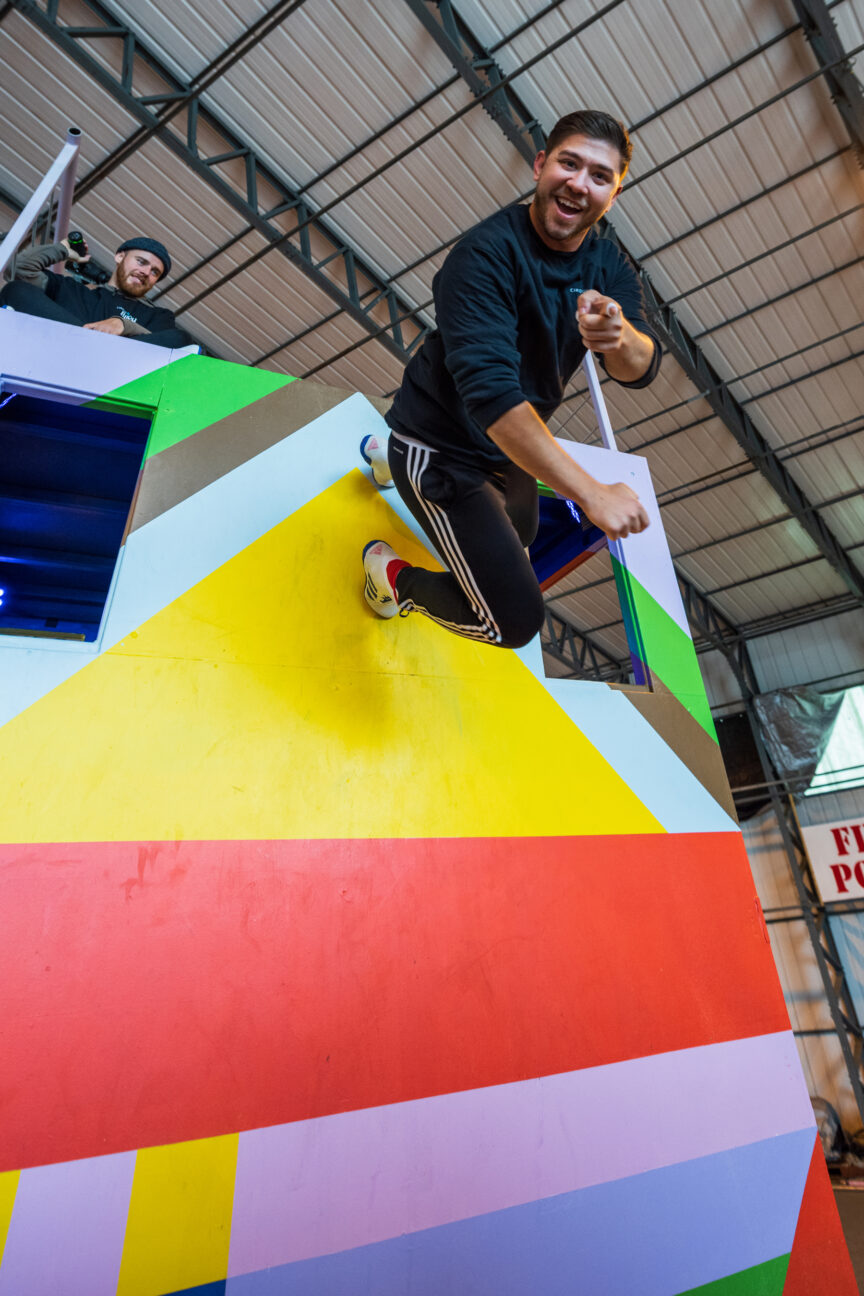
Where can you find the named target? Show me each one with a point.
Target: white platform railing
(62, 172)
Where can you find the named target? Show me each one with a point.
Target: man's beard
(552, 225)
(131, 287)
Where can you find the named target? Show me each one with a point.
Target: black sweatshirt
(507, 332)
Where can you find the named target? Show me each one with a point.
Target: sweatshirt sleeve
(31, 266)
(475, 309)
(131, 328)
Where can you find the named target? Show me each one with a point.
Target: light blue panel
(655, 1234)
(848, 932)
(28, 673)
(163, 559)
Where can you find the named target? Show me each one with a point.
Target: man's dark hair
(595, 125)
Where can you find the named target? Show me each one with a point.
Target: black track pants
(480, 522)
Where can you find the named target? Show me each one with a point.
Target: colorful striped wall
(346, 956)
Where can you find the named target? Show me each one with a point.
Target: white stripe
(442, 531)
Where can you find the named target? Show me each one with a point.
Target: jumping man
(518, 301)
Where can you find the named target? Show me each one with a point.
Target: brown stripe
(193, 463)
(686, 737)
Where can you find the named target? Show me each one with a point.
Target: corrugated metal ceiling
(744, 203)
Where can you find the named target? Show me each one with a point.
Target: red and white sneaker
(382, 565)
(373, 450)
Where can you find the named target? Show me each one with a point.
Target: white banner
(836, 852)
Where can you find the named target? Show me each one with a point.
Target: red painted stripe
(820, 1259)
(166, 991)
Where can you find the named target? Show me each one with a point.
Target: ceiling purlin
(773, 301)
(184, 93)
(341, 162)
(723, 275)
(529, 126)
(745, 202)
(354, 267)
(845, 88)
(405, 152)
(703, 394)
(507, 39)
(738, 121)
(728, 475)
(577, 649)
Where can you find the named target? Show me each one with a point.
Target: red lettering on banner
(858, 835)
(841, 840)
(842, 874)
(859, 872)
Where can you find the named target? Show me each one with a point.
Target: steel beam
(674, 335)
(176, 100)
(844, 87)
(339, 260)
(582, 653)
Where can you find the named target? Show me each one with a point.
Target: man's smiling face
(576, 184)
(136, 272)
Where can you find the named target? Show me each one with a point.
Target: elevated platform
(343, 955)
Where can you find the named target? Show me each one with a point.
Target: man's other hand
(113, 324)
(601, 324)
(616, 510)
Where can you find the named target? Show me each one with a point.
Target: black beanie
(148, 245)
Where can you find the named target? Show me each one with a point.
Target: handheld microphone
(77, 243)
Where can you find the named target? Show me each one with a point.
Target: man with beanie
(116, 307)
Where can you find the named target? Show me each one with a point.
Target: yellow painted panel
(179, 1227)
(8, 1188)
(269, 702)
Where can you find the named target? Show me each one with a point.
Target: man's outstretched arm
(523, 436)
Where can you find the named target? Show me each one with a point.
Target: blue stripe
(208, 1289)
(654, 1234)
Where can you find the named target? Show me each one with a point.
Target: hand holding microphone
(76, 245)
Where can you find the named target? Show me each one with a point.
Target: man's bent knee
(521, 624)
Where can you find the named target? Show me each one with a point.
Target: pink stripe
(320, 1186)
(67, 1228)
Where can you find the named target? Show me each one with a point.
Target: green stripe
(141, 396)
(663, 646)
(189, 395)
(765, 1279)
